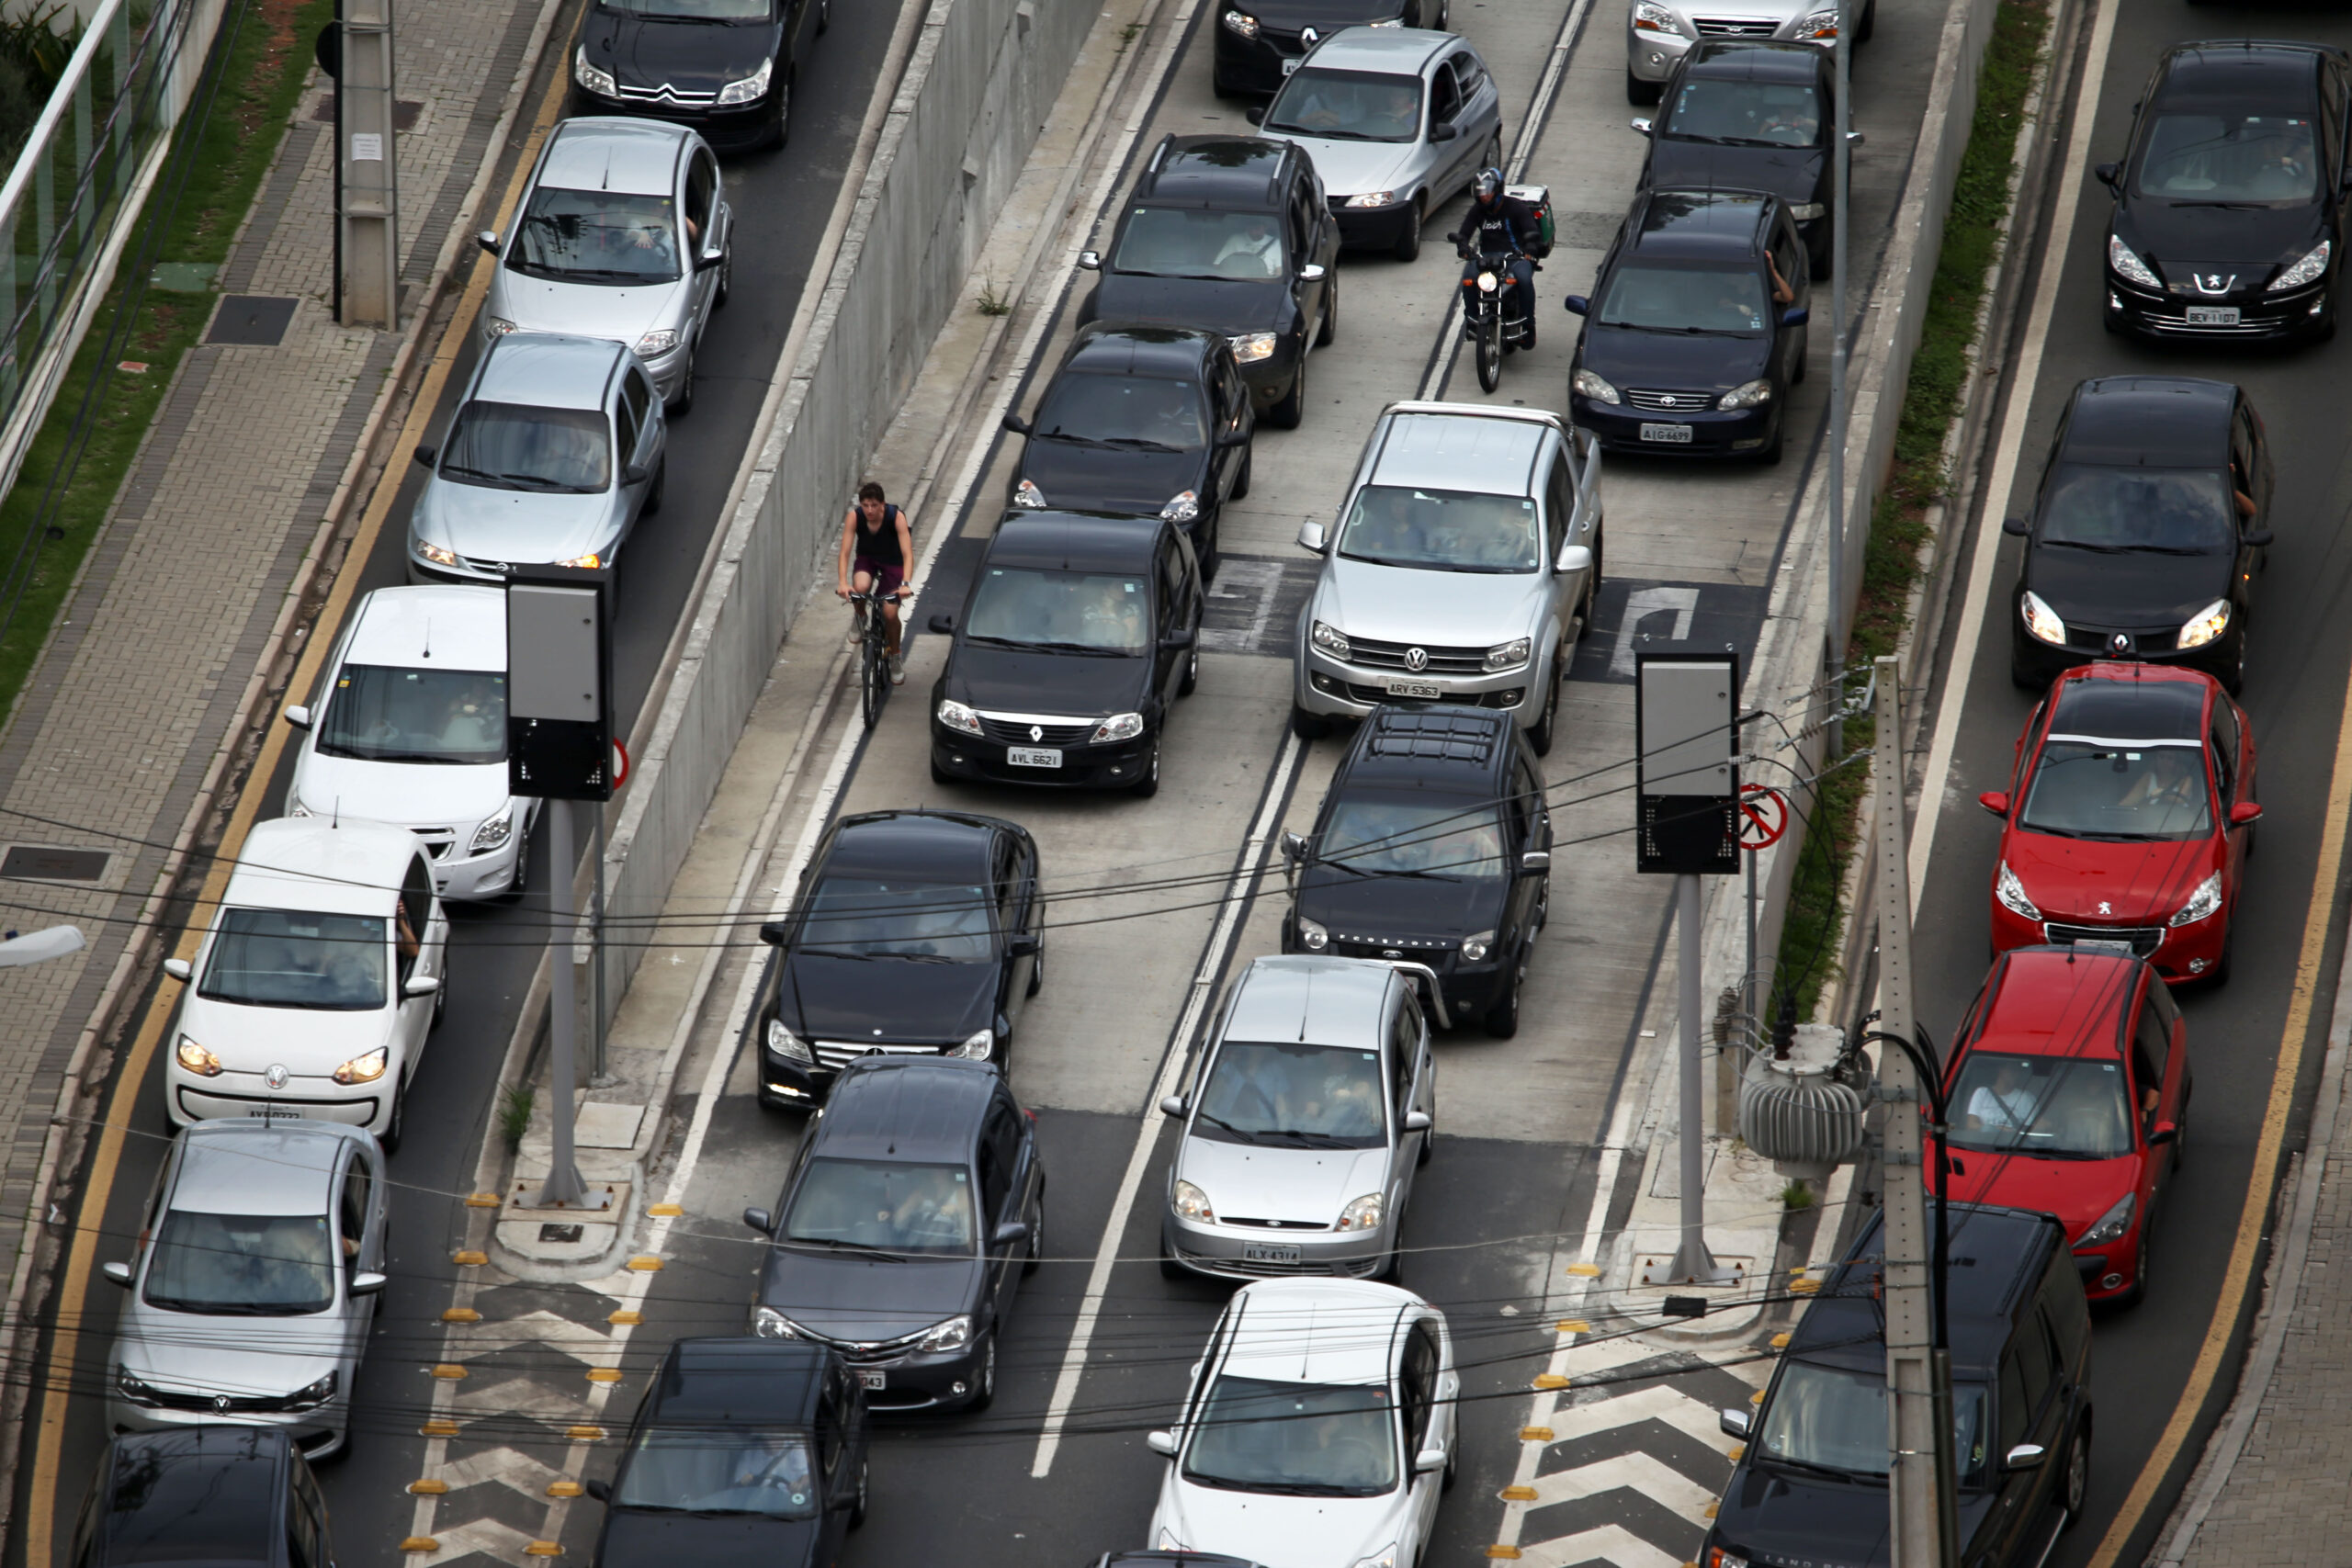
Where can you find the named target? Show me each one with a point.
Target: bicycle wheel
(874, 676)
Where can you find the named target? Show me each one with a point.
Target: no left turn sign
(1763, 817)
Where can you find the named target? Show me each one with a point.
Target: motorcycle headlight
(653, 342)
(769, 1324)
(2201, 903)
(1475, 948)
(1819, 27)
(1360, 1214)
(2010, 891)
(1313, 937)
(1385, 1558)
(314, 1395)
(496, 326)
(1328, 637)
(1118, 726)
(197, 1059)
(1192, 1203)
(1510, 655)
(1748, 395)
(955, 715)
(782, 1041)
(494, 831)
(364, 1068)
(437, 554)
(591, 560)
(750, 88)
(1241, 22)
(978, 1047)
(592, 78)
(1027, 493)
(2303, 271)
(2041, 620)
(1486, 283)
(952, 1334)
(2206, 625)
(1649, 17)
(1806, 211)
(1182, 507)
(2111, 1225)
(2128, 266)
(1374, 199)
(1593, 386)
(1250, 347)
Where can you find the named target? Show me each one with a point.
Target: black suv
(1230, 234)
(2230, 212)
(2151, 525)
(1154, 420)
(915, 1206)
(218, 1496)
(1081, 632)
(1812, 1486)
(1434, 845)
(913, 933)
(1753, 115)
(743, 1450)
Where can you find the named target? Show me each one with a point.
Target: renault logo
(1416, 659)
(2120, 644)
(277, 1076)
(1036, 732)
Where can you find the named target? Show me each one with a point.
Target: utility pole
(1840, 184)
(368, 255)
(1920, 1484)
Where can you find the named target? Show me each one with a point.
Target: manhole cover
(37, 862)
(565, 1233)
(257, 321)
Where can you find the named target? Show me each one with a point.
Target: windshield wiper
(396, 756)
(454, 470)
(2081, 545)
(1073, 440)
(1074, 648)
(1273, 1488)
(2172, 550)
(1834, 1472)
(1334, 134)
(1694, 136)
(2232, 206)
(837, 1244)
(910, 957)
(1138, 443)
(1243, 1134)
(1312, 1140)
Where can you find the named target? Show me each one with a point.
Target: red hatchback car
(2067, 1091)
(2128, 819)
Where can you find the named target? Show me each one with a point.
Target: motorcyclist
(1498, 223)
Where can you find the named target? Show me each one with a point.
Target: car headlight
(1819, 26)
(1027, 493)
(1806, 211)
(952, 1334)
(494, 831)
(1593, 386)
(496, 326)
(1182, 507)
(1374, 199)
(1475, 948)
(769, 1324)
(2201, 903)
(197, 1059)
(955, 715)
(782, 1041)
(589, 561)
(437, 554)
(314, 1395)
(1385, 1558)
(1649, 17)
(1718, 1558)
(1241, 22)
(2010, 891)
(1192, 1203)
(2111, 1225)
(2206, 625)
(653, 342)
(1328, 637)
(2041, 620)
(1362, 1214)
(1312, 936)
(1250, 347)
(132, 1389)
(978, 1047)
(592, 78)
(1748, 395)
(1510, 655)
(1118, 726)
(364, 1068)
(2303, 271)
(750, 88)
(1486, 283)
(2128, 265)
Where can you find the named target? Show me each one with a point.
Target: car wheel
(1502, 1019)
(2139, 1291)
(1493, 158)
(390, 1137)
(1409, 243)
(1036, 1253)
(522, 882)
(1428, 1147)
(1640, 92)
(1308, 726)
(1592, 586)
(2024, 672)
(984, 1387)
(783, 130)
(940, 776)
(857, 1501)
(1146, 786)
(660, 483)
(440, 1002)
(1772, 452)
(1037, 973)
(726, 284)
(1288, 413)
(1331, 327)
(1192, 672)
(1207, 552)
(2076, 1483)
(1541, 734)
(1868, 25)
(1241, 480)
(1169, 1268)
(1453, 1472)
(2221, 965)
(824, 16)
(684, 404)
(1392, 1268)
(2233, 671)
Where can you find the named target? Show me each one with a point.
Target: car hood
(406, 794)
(2076, 1193)
(1255, 1181)
(866, 1300)
(691, 56)
(1781, 1519)
(858, 1000)
(1459, 609)
(2253, 242)
(306, 1041)
(513, 524)
(1212, 304)
(228, 1355)
(1274, 1532)
(589, 310)
(1792, 173)
(1702, 361)
(1105, 478)
(1078, 685)
(633, 1537)
(2108, 884)
(2133, 589)
(1351, 167)
(1390, 907)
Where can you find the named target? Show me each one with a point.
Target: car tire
(684, 404)
(2222, 966)
(858, 1499)
(521, 885)
(391, 1136)
(1208, 553)
(1453, 1472)
(1392, 1268)
(1868, 25)
(1772, 453)
(1640, 92)
(1502, 1019)
(1592, 584)
(2075, 1481)
(1037, 973)
(1308, 726)
(1331, 327)
(2232, 673)
(1409, 243)
(2023, 674)
(1192, 672)
(984, 1388)
(783, 129)
(1289, 413)
(1493, 157)
(940, 776)
(2139, 1291)
(824, 16)
(660, 483)
(1428, 1149)
(1146, 786)
(1241, 480)
(1169, 1268)
(1036, 1253)
(440, 1003)
(725, 288)
(1540, 736)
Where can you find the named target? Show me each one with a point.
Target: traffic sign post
(1763, 818)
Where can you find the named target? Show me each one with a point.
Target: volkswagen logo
(2120, 644)
(277, 1076)
(1309, 36)
(220, 1405)
(1417, 659)
(1036, 732)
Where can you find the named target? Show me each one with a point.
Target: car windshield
(1746, 114)
(1683, 299)
(510, 446)
(1830, 1418)
(2094, 507)
(1414, 837)
(1069, 612)
(242, 1265)
(883, 1206)
(1319, 1096)
(390, 714)
(695, 10)
(718, 1470)
(859, 917)
(2199, 158)
(597, 236)
(2064, 1107)
(2085, 787)
(1325, 1440)
(1124, 410)
(1349, 106)
(1444, 530)
(1184, 242)
(288, 958)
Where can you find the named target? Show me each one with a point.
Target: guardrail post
(371, 216)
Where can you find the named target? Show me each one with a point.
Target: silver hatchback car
(1309, 1112)
(556, 449)
(1658, 33)
(255, 1282)
(625, 232)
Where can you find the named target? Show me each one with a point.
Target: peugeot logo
(220, 1405)
(1416, 659)
(277, 1076)
(1036, 732)
(2105, 907)
(2215, 282)
(2120, 644)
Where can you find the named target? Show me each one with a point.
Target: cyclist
(1498, 223)
(877, 549)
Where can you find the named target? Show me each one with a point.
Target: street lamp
(57, 941)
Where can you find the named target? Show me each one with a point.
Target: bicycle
(872, 657)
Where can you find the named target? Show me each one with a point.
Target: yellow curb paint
(564, 1489)
(1572, 1325)
(1803, 1287)
(420, 1543)
(465, 1257)
(584, 1434)
(1755, 1398)
(481, 1201)
(646, 1264)
(428, 1488)
(604, 1374)
(1508, 1553)
(543, 1549)
(1518, 1493)
(625, 1318)
(1550, 1380)
(1738, 1452)
(1535, 1433)
(448, 1371)
(1779, 1342)
(1585, 1271)
(437, 1428)
(1712, 1509)
(666, 1211)
(460, 1315)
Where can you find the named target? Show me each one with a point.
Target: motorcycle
(1482, 322)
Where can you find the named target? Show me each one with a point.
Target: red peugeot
(2129, 818)
(2067, 1091)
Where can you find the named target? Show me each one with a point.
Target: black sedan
(1082, 631)
(1256, 38)
(2151, 526)
(2230, 203)
(725, 67)
(1231, 234)
(914, 1207)
(1696, 327)
(743, 1450)
(1743, 116)
(1153, 420)
(914, 933)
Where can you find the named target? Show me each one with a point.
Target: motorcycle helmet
(1487, 184)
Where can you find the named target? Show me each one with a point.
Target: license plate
(1032, 757)
(2102, 944)
(2212, 315)
(1678, 433)
(1259, 1252)
(1425, 689)
(871, 1380)
(1289, 66)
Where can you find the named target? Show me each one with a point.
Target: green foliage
(1796, 1197)
(515, 1102)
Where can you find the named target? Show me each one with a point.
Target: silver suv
(1462, 570)
(1658, 33)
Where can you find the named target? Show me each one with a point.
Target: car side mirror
(179, 969)
(2259, 536)
(366, 1284)
(760, 1221)
(1015, 424)
(709, 259)
(1179, 637)
(1293, 846)
(1416, 1121)
(118, 1273)
(427, 455)
(2108, 174)
(1535, 860)
(1428, 1461)
(1161, 1443)
(1853, 139)
(1640, 125)
(1994, 801)
(1311, 272)
(1310, 536)
(488, 241)
(1576, 304)
(2021, 526)
(600, 1490)
(1228, 439)
(1255, 114)
(1010, 1234)
(941, 623)
(1089, 261)
(1795, 316)
(2246, 813)
(1172, 1105)
(1574, 558)
(1734, 1423)
(1445, 130)
(420, 986)
(300, 717)
(776, 933)
(635, 474)
(2163, 1133)
(2024, 1456)
(1023, 944)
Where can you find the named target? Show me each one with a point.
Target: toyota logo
(1667, 401)
(277, 1076)
(1036, 732)
(1416, 659)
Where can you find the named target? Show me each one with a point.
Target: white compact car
(1319, 1431)
(409, 727)
(313, 991)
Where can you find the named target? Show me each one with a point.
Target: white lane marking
(1222, 937)
(1647, 602)
(2023, 378)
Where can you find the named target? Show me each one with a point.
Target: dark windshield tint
(1433, 836)
(285, 958)
(390, 715)
(695, 10)
(2065, 1108)
(597, 236)
(2230, 157)
(1327, 1440)
(856, 915)
(510, 447)
(713, 1470)
(2138, 509)
(885, 1205)
(1746, 114)
(1682, 298)
(1450, 530)
(1083, 612)
(2093, 788)
(1321, 1095)
(1178, 241)
(1140, 411)
(1349, 106)
(242, 1265)
(1831, 1418)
